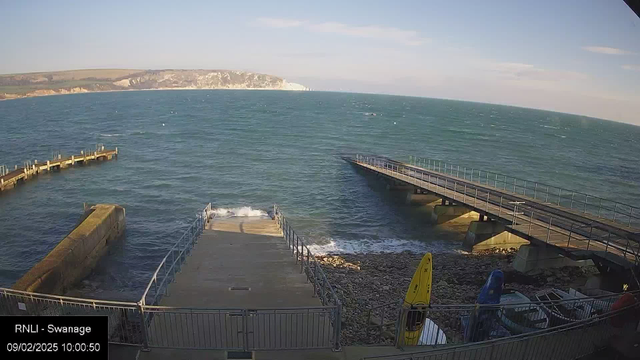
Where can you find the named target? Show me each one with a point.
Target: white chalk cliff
(37, 84)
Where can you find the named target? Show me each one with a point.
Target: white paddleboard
(431, 334)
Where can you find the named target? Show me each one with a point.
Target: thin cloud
(606, 50)
(520, 71)
(279, 23)
(631, 67)
(508, 67)
(313, 55)
(406, 37)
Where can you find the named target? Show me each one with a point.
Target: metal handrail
(66, 299)
(182, 247)
(460, 349)
(492, 201)
(614, 210)
(139, 327)
(395, 307)
(496, 306)
(312, 268)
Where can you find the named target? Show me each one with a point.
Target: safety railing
(460, 324)
(240, 329)
(529, 220)
(125, 320)
(170, 265)
(312, 268)
(618, 212)
(189, 328)
(148, 325)
(566, 341)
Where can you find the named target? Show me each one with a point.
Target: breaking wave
(245, 211)
(341, 246)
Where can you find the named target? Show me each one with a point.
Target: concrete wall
(483, 235)
(77, 254)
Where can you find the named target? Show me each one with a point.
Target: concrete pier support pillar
(398, 186)
(421, 199)
(531, 257)
(483, 235)
(73, 160)
(48, 165)
(443, 213)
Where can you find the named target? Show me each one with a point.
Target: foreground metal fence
(568, 341)
(603, 208)
(312, 268)
(125, 320)
(189, 328)
(446, 325)
(528, 220)
(170, 265)
(241, 329)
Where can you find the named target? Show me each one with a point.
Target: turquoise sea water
(182, 149)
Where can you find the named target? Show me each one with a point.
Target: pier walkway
(246, 284)
(530, 214)
(9, 179)
(240, 262)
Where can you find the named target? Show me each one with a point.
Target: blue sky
(577, 56)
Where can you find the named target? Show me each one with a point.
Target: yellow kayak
(418, 294)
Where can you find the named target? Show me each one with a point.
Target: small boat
(492, 289)
(432, 334)
(417, 298)
(560, 309)
(601, 301)
(519, 315)
(482, 324)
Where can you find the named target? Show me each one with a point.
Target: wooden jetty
(9, 179)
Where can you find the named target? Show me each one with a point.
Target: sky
(575, 56)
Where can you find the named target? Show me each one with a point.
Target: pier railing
(240, 329)
(125, 318)
(170, 265)
(567, 341)
(312, 268)
(149, 325)
(10, 178)
(615, 211)
(464, 323)
(527, 220)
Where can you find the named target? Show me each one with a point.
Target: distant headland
(13, 86)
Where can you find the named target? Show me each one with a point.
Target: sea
(245, 151)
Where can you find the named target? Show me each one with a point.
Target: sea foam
(244, 211)
(366, 246)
